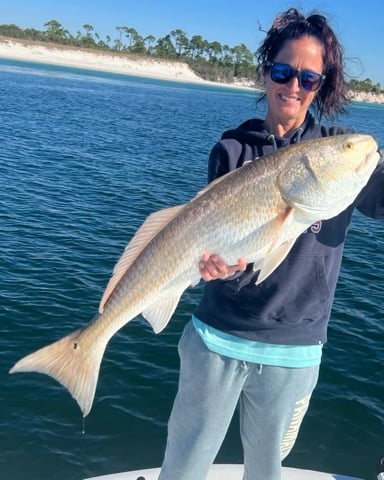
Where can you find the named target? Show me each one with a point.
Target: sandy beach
(98, 60)
(124, 64)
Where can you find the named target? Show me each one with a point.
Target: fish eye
(347, 147)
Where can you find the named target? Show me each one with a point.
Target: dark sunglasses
(283, 73)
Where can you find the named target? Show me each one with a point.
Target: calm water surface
(85, 158)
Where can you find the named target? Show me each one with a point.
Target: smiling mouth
(289, 99)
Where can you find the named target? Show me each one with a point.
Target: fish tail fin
(72, 362)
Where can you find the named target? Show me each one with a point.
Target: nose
(294, 82)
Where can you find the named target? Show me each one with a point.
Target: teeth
(288, 99)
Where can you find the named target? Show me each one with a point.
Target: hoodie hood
(254, 133)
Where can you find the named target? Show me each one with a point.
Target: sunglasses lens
(310, 81)
(281, 73)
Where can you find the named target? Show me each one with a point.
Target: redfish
(255, 212)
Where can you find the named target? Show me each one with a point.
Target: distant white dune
(121, 63)
(100, 60)
(95, 60)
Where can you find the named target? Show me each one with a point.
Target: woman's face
(288, 103)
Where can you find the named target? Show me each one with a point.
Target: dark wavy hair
(331, 99)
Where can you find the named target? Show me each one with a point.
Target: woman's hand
(212, 267)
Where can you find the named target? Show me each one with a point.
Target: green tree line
(210, 60)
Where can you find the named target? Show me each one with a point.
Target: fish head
(324, 176)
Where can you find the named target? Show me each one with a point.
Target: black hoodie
(292, 306)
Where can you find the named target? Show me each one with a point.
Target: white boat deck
(227, 472)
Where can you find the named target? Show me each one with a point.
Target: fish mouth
(371, 159)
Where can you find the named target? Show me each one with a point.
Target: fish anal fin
(71, 363)
(148, 230)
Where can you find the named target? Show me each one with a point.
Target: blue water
(84, 158)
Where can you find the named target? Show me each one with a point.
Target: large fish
(255, 212)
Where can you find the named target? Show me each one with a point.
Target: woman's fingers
(213, 267)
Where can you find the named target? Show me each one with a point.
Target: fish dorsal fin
(148, 230)
(159, 314)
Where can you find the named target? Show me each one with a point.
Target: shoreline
(98, 60)
(113, 62)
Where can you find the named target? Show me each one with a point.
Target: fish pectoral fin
(149, 229)
(159, 314)
(304, 212)
(276, 251)
(273, 260)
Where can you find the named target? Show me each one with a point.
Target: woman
(260, 346)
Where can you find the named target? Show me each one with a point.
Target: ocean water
(84, 158)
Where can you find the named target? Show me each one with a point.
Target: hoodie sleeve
(225, 156)
(370, 201)
(218, 162)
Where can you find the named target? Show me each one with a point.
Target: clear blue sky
(359, 24)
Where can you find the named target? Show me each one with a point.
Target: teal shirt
(292, 356)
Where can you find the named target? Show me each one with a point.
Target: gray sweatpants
(273, 401)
